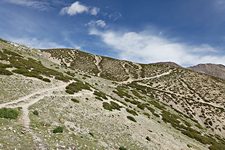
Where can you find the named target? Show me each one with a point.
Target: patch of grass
(121, 92)
(122, 148)
(131, 111)
(30, 67)
(107, 106)
(142, 105)
(5, 72)
(100, 94)
(77, 86)
(9, 113)
(58, 130)
(135, 93)
(91, 134)
(157, 104)
(46, 80)
(131, 118)
(36, 113)
(75, 100)
(148, 138)
(178, 123)
(135, 102)
(110, 106)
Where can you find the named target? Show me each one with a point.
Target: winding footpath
(146, 78)
(98, 60)
(29, 100)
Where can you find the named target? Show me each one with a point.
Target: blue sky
(186, 32)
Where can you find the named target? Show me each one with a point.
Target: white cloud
(36, 43)
(98, 23)
(148, 47)
(94, 11)
(78, 8)
(41, 5)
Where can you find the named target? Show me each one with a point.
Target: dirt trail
(146, 78)
(98, 60)
(29, 100)
(180, 95)
(128, 72)
(139, 70)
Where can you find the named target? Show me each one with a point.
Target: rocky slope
(69, 99)
(215, 70)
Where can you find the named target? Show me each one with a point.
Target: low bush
(131, 112)
(9, 113)
(77, 86)
(36, 113)
(58, 130)
(100, 94)
(131, 118)
(75, 100)
(5, 72)
(110, 106)
(121, 92)
(122, 148)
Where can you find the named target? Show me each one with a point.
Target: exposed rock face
(216, 70)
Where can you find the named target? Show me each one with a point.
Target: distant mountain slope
(216, 70)
(69, 99)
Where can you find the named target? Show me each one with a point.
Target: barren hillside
(69, 99)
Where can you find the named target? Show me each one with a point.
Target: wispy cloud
(78, 8)
(38, 4)
(97, 23)
(148, 47)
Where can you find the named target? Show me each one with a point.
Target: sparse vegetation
(131, 111)
(100, 95)
(75, 100)
(9, 113)
(111, 106)
(131, 118)
(36, 113)
(77, 86)
(148, 138)
(121, 92)
(58, 129)
(29, 67)
(122, 148)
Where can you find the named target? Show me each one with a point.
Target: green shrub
(131, 118)
(9, 113)
(75, 100)
(77, 86)
(107, 106)
(156, 104)
(91, 134)
(148, 138)
(142, 106)
(58, 130)
(122, 148)
(5, 72)
(30, 67)
(121, 92)
(36, 113)
(114, 105)
(132, 101)
(131, 112)
(110, 106)
(135, 93)
(46, 80)
(100, 94)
